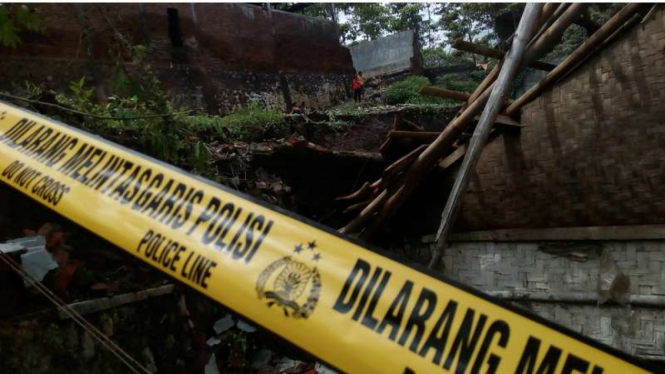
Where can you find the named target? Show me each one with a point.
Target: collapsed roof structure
(556, 202)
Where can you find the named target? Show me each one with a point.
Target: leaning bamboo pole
(443, 145)
(554, 33)
(578, 55)
(481, 134)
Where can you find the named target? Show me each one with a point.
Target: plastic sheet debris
(244, 326)
(211, 367)
(322, 369)
(289, 366)
(223, 324)
(11, 248)
(36, 260)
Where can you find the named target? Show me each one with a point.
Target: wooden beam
(404, 161)
(430, 136)
(447, 94)
(365, 215)
(358, 206)
(504, 120)
(453, 95)
(640, 232)
(452, 158)
(578, 55)
(413, 125)
(512, 62)
(386, 204)
(363, 191)
(495, 53)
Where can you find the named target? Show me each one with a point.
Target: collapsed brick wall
(592, 150)
(229, 55)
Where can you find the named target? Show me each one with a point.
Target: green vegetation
(407, 92)
(253, 121)
(457, 82)
(14, 19)
(435, 57)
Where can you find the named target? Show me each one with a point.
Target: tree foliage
(14, 19)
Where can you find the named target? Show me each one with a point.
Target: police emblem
(291, 284)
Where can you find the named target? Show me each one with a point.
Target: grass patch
(407, 92)
(253, 122)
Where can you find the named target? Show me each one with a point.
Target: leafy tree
(406, 16)
(471, 21)
(435, 57)
(15, 18)
(368, 21)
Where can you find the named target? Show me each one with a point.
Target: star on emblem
(311, 245)
(317, 257)
(298, 248)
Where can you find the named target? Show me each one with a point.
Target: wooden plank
(358, 206)
(442, 92)
(639, 232)
(495, 53)
(385, 205)
(363, 191)
(503, 119)
(460, 152)
(404, 161)
(413, 125)
(512, 62)
(453, 157)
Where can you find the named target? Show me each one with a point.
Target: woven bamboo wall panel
(593, 149)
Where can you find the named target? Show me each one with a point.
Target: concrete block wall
(525, 269)
(232, 54)
(592, 152)
(388, 55)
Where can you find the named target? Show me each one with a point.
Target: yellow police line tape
(354, 308)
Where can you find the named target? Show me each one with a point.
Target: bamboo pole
(580, 53)
(546, 25)
(443, 144)
(386, 204)
(495, 71)
(481, 134)
(553, 33)
(495, 53)
(545, 14)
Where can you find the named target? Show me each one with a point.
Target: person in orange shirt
(356, 86)
(362, 79)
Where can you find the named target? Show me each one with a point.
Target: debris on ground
(36, 260)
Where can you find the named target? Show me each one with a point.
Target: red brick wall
(593, 149)
(232, 53)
